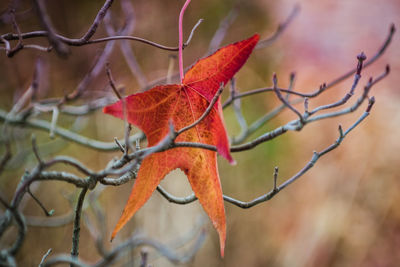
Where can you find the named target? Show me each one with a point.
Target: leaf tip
(222, 238)
(114, 233)
(232, 161)
(106, 109)
(114, 109)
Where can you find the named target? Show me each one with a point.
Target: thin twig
(7, 155)
(47, 213)
(111, 81)
(237, 109)
(206, 112)
(283, 100)
(54, 120)
(61, 48)
(125, 46)
(77, 222)
(281, 28)
(276, 189)
(45, 257)
(223, 27)
(192, 32)
(35, 150)
(276, 169)
(64, 133)
(19, 45)
(170, 70)
(378, 54)
(361, 57)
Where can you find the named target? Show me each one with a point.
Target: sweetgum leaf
(183, 104)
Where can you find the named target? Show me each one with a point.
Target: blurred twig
(281, 28)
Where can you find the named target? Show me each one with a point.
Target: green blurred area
(341, 213)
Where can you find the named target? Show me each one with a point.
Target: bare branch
(77, 221)
(124, 168)
(99, 17)
(44, 257)
(47, 213)
(192, 32)
(133, 242)
(238, 110)
(53, 221)
(111, 81)
(19, 46)
(361, 57)
(284, 101)
(276, 189)
(124, 45)
(54, 120)
(35, 150)
(378, 54)
(71, 162)
(223, 27)
(325, 86)
(64, 133)
(61, 49)
(357, 104)
(172, 59)
(7, 155)
(61, 176)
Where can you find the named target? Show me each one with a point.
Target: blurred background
(343, 212)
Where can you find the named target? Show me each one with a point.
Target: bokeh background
(344, 212)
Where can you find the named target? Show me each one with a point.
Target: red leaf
(151, 111)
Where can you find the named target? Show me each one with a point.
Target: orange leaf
(183, 104)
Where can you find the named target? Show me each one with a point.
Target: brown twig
(61, 48)
(112, 82)
(283, 100)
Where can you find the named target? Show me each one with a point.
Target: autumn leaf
(182, 104)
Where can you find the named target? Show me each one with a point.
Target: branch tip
(340, 131)
(119, 145)
(35, 149)
(276, 169)
(306, 104)
(387, 69)
(292, 76)
(322, 87)
(361, 57)
(371, 102)
(171, 127)
(111, 81)
(392, 28)
(137, 144)
(274, 79)
(41, 205)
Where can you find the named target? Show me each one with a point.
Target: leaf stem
(181, 39)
